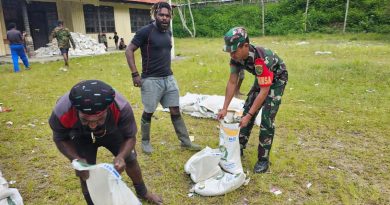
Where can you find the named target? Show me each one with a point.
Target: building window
(139, 18)
(92, 14)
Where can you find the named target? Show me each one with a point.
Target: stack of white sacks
(208, 106)
(9, 195)
(218, 171)
(85, 45)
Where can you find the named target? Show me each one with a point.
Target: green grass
(335, 112)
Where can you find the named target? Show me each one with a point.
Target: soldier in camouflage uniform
(266, 92)
(63, 37)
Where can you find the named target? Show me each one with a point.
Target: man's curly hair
(159, 5)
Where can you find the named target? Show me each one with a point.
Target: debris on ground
(322, 52)
(85, 45)
(31, 124)
(63, 69)
(5, 109)
(302, 43)
(275, 191)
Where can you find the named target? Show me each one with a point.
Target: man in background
(63, 37)
(16, 45)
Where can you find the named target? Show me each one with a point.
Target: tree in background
(346, 15)
(307, 8)
(262, 17)
(183, 18)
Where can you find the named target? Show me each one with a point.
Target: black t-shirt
(14, 36)
(155, 51)
(116, 38)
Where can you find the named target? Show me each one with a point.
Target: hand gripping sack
(220, 184)
(203, 164)
(105, 185)
(230, 147)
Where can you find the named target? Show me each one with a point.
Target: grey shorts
(162, 90)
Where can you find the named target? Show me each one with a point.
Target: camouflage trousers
(267, 128)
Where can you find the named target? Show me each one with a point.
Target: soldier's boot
(182, 134)
(145, 133)
(261, 166)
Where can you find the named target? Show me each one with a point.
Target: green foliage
(287, 16)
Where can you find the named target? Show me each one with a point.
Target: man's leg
(151, 91)
(86, 195)
(181, 130)
(15, 57)
(245, 132)
(64, 53)
(65, 56)
(267, 128)
(146, 121)
(23, 56)
(86, 150)
(134, 172)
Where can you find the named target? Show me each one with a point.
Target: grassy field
(332, 128)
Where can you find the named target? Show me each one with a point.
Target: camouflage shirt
(273, 63)
(63, 37)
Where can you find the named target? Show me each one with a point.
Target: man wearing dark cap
(63, 37)
(93, 115)
(270, 80)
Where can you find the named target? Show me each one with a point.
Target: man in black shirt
(16, 44)
(156, 81)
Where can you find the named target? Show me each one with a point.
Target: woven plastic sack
(230, 147)
(204, 164)
(220, 184)
(105, 185)
(9, 196)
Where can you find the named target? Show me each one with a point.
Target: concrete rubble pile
(85, 45)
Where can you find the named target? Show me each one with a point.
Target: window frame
(139, 18)
(91, 18)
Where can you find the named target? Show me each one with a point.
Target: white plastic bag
(204, 164)
(105, 185)
(230, 147)
(220, 184)
(9, 196)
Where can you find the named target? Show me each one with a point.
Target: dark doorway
(43, 19)
(39, 30)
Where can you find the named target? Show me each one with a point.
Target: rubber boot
(261, 166)
(145, 132)
(182, 134)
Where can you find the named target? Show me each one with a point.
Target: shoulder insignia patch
(259, 63)
(258, 69)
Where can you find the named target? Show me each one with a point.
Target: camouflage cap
(234, 38)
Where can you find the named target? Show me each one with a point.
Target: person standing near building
(270, 80)
(16, 44)
(116, 40)
(157, 82)
(63, 37)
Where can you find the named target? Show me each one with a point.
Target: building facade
(91, 17)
